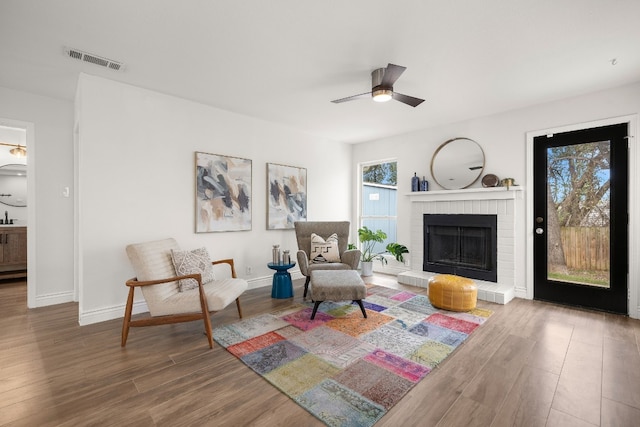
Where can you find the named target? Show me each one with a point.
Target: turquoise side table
(282, 286)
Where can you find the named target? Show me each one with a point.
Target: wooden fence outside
(586, 248)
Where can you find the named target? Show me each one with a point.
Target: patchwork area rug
(342, 368)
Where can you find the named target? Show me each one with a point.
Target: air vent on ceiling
(94, 59)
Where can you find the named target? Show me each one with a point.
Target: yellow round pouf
(452, 292)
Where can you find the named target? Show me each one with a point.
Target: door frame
(634, 202)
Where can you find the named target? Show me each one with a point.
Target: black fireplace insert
(461, 244)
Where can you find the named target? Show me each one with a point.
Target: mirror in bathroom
(13, 185)
(457, 163)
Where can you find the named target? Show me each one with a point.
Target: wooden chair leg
(306, 287)
(206, 318)
(126, 323)
(207, 329)
(238, 305)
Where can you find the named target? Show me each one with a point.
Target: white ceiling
(285, 60)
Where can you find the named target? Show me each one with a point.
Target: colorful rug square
(375, 383)
(403, 296)
(335, 347)
(451, 322)
(301, 374)
(355, 325)
(394, 340)
(398, 365)
(407, 317)
(419, 304)
(302, 319)
(381, 300)
(382, 291)
(339, 406)
(337, 310)
(476, 315)
(346, 370)
(254, 344)
(372, 306)
(431, 353)
(438, 333)
(268, 358)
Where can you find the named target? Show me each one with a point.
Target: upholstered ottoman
(337, 285)
(453, 293)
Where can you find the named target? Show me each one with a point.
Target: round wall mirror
(13, 185)
(457, 163)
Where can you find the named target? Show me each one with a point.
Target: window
(379, 199)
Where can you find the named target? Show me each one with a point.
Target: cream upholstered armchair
(346, 259)
(202, 287)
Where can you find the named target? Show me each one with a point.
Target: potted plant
(368, 238)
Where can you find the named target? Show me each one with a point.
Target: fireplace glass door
(464, 247)
(461, 244)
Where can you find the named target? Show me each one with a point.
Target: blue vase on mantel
(415, 182)
(424, 185)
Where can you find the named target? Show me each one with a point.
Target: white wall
(51, 148)
(503, 138)
(179, 128)
(136, 167)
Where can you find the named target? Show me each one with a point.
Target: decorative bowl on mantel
(490, 180)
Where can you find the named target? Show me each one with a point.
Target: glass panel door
(581, 218)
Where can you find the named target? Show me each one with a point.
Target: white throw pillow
(322, 250)
(192, 262)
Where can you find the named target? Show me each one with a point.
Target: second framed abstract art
(287, 196)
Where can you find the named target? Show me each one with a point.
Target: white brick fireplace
(507, 204)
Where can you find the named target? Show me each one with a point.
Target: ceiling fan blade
(351, 98)
(409, 100)
(391, 74)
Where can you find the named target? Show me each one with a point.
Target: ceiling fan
(382, 81)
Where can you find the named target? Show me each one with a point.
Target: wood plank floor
(530, 364)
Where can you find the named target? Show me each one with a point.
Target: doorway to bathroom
(14, 207)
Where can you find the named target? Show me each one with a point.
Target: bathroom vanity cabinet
(13, 252)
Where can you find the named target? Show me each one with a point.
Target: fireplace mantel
(493, 193)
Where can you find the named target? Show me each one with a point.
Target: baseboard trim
(53, 299)
(110, 313)
(521, 293)
(261, 282)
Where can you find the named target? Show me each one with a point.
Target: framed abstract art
(287, 196)
(223, 193)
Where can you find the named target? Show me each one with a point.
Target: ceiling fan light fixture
(382, 81)
(382, 95)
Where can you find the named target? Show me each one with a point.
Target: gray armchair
(348, 258)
